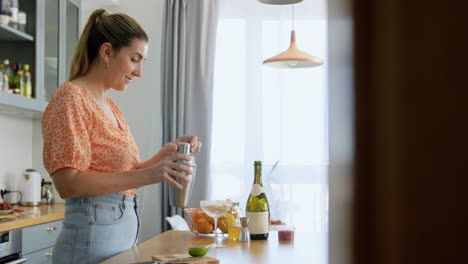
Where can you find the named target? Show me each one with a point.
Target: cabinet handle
(52, 228)
(48, 254)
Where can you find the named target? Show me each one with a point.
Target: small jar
(234, 225)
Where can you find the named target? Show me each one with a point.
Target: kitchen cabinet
(47, 45)
(22, 47)
(60, 42)
(38, 242)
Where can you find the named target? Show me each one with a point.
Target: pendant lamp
(280, 2)
(293, 57)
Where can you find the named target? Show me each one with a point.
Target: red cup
(286, 234)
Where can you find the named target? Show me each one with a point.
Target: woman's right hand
(168, 170)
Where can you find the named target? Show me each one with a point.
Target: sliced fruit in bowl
(225, 221)
(198, 221)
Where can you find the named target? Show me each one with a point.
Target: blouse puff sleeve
(65, 130)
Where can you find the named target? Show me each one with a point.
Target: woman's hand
(166, 151)
(171, 149)
(195, 145)
(168, 170)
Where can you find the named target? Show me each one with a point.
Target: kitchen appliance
(30, 187)
(10, 247)
(47, 192)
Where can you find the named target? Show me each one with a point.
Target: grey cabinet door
(51, 47)
(72, 33)
(40, 257)
(40, 237)
(65, 15)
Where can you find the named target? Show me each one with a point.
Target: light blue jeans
(97, 228)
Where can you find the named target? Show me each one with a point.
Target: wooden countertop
(307, 248)
(34, 215)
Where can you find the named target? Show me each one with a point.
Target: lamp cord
(293, 17)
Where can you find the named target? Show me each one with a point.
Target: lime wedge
(197, 251)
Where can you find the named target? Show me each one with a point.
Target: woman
(89, 150)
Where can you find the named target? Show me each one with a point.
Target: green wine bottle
(257, 208)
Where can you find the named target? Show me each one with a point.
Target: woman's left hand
(195, 145)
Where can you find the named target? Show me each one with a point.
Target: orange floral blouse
(78, 134)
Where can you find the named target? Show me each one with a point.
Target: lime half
(197, 251)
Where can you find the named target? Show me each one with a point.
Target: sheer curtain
(269, 114)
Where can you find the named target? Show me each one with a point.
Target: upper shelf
(8, 33)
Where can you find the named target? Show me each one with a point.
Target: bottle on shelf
(14, 9)
(5, 6)
(22, 20)
(7, 76)
(19, 82)
(6, 72)
(26, 87)
(258, 209)
(2, 78)
(12, 77)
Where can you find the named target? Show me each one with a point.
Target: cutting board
(7, 216)
(204, 260)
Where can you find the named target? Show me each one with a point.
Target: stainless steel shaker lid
(184, 148)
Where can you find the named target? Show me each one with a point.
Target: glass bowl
(198, 221)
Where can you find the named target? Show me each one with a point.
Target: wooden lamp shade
(293, 57)
(280, 2)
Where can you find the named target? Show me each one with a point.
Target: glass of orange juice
(234, 226)
(233, 232)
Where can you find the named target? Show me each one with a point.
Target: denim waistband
(108, 198)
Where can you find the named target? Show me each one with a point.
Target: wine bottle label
(258, 222)
(257, 189)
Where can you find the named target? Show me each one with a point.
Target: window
(269, 114)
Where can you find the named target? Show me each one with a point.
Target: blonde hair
(102, 26)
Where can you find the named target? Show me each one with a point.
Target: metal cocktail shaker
(180, 198)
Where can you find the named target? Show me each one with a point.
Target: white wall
(15, 149)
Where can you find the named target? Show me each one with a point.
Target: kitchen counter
(308, 247)
(34, 215)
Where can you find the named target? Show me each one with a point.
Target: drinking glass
(215, 209)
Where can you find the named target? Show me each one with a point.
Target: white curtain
(187, 81)
(269, 114)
